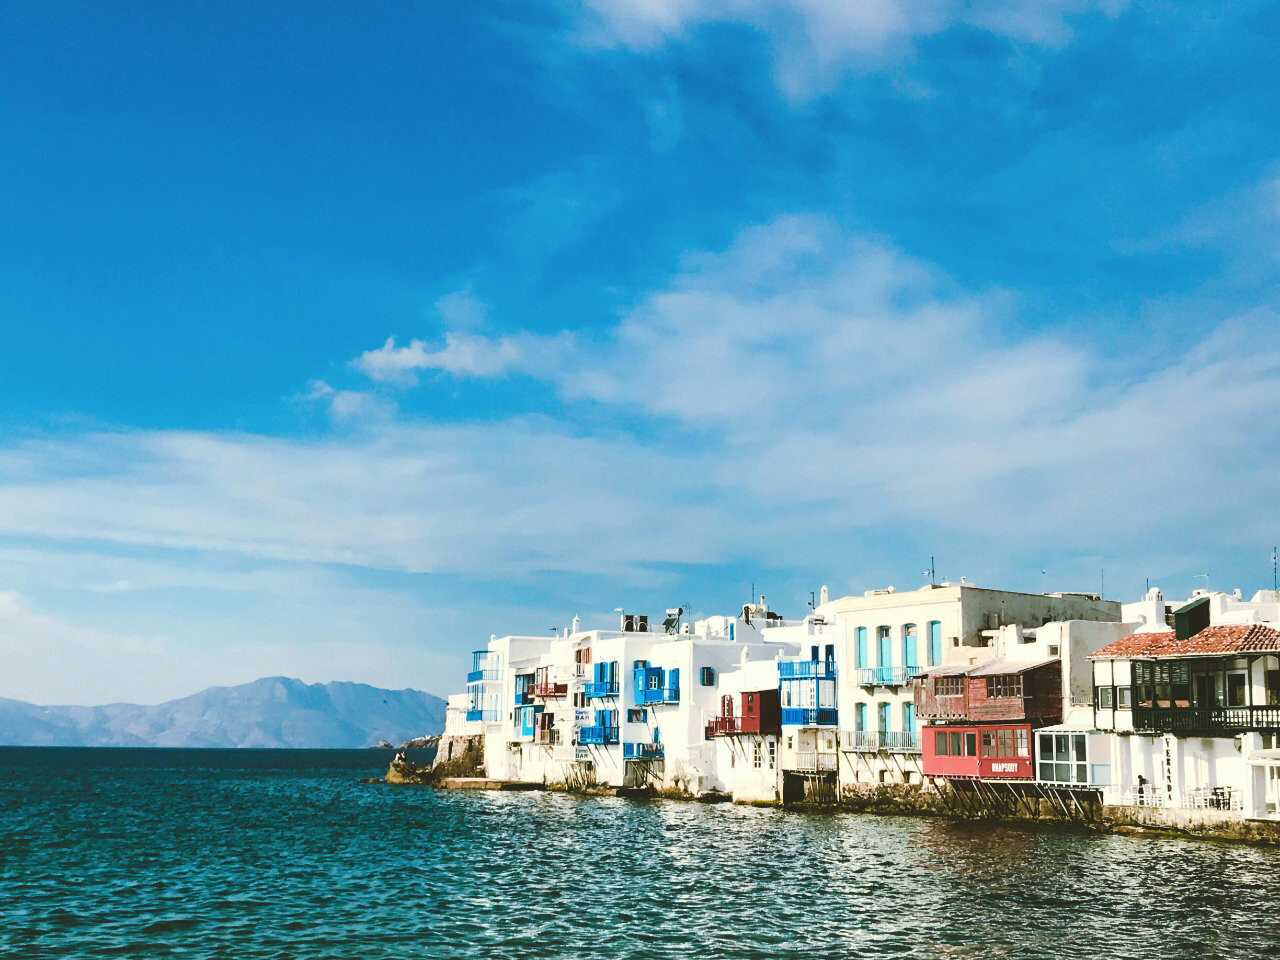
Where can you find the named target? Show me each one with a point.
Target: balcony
(886, 676)
(809, 716)
(726, 726)
(810, 761)
(642, 751)
(549, 689)
(860, 741)
(547, 737)
(484, 716)
(598, 735)
(656, 695)
(1206, 720)
(877, 741)
(487, 673)
(600, 688)
(807, 670)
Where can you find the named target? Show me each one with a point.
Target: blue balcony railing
(601, 688)
(886, 676)
(670, 694)
(807, 669)
(809, 716)
(484, 716)
(489, 673)
(598, 734)
(642, 751)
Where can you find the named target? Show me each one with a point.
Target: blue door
(909, 717)
(860, 717)
(935, 643)
(885, 643)
(862, 647)
(909, 646)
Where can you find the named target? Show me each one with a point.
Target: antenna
(1043, 584)
(813, 600)
(1102, 583)
(932, 573)
(1206, 579)
(1274, 586)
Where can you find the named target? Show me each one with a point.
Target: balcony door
(935, 643)
(882, 718)
(885, 643)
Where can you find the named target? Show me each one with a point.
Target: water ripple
(282, 854)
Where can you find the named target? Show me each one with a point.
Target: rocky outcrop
(402, 771)
(420, 743)
(460, 756)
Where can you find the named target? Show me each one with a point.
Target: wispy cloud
(815, 40)
(461, 355)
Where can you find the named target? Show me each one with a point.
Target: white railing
(1201, 798)
(810, 760)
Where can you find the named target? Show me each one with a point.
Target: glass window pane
(1079, 746)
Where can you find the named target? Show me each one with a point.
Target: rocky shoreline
(464, 770)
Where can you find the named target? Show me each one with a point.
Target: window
(1273, 688)
(1004, 687)
(1106, 698)
(955, 744)
(773, 753)
(989, 744)
(1004, 743)
(1124, 698)
(940, 743)
(788, 743)
(707, 676)
(935, 642)
(970, 744)
(579, 699)
(653, 679)
(636, 716)
(948, 686)
(1020, 747)
(1235, 689)
(757, 756)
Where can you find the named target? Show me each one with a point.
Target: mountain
(272, 712)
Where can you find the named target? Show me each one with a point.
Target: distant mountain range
(272, 712)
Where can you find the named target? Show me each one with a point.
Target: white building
(1192, 701)
(891, 636)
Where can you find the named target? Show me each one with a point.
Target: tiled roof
(1215, 640)
(1134, 645)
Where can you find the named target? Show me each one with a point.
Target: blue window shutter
(599, 667)
(674, 681)
(640, 674)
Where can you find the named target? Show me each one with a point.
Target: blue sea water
(283, 854)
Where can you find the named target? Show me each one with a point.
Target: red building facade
(977, 720)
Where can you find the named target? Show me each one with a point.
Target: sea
(285, 854)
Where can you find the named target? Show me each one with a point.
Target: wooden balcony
(1209, 721)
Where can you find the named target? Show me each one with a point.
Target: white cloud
(814, 40)
(348, 405)
(461, 355)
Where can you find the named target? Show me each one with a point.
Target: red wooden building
(756, 711)
(977, 720)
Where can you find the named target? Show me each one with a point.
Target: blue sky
(333, 343)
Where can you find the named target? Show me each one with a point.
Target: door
(860, 717)
(884, 642)
(909, 654)
(862, 648)
(935, 643)
(882, 718)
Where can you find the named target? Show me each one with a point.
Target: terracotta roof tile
(1220, 639)
(1134, 645)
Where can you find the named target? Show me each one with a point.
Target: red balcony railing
(549, 689)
